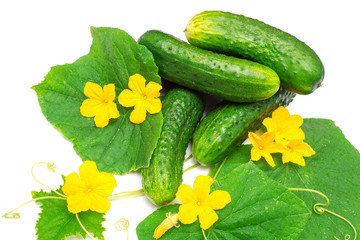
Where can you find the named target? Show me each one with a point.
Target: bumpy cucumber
(227, 126)
(182, 109)
(223, 76)
(298, 66)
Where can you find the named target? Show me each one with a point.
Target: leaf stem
(13, 215)
(318, 209)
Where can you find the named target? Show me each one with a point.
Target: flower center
(261, 147)
(198, 203)
(89, 190)
(145, 97)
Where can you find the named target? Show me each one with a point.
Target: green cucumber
(298, 66)
(226, 127)
(222, 76)
(182, 110)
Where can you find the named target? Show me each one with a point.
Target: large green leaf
(260, 208)
(333, 170)
(57, 223)
(121, 146)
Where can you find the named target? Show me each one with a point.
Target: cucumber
(225, 128)
(222, 76)
(182, 110)
(298, 66)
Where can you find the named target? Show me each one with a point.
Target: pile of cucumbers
(254, 67)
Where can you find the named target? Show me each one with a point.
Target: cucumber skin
(182, 110)
(216, 74)
(225, 128)
(298, 66)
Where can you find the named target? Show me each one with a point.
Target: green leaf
(260, 208)
(57, 223)
(121, 146)
(333, 170)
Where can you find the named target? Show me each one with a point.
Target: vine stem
(191, 167)
(217, 172)
(51, 167)
(82, 226)
(17, 215)
(203, 232)
(188, 158)
(319, 209)
(123, 224)
(134, 193)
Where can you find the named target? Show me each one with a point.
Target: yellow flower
(284, 126)
(199, 202)
(100, 103)
(263, 147)
(170, 221)
(297, 150)
(90, 190)
(143, 99)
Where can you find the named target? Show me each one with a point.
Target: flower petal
(294, 121)
(153, 105)
(207, 217)
(99, 203)
(300, 147)
(269, 159)
(275, 148)
(109, 92)
(202, 186)
(93, 90)
(270, 124)
(294, 158)
(186, 194)
(294, 133)
(112, 110)
(268, 138)
(255, 154)
(152, 90)
(104, 184)
(254, 139)
(280, 115)
(90, 107)
(79, 202)
(128, 98)
(88, 173)
(73, 184)
(138, 115)
(218, 199)
(101, 120)
(188, 213)
(137, 83)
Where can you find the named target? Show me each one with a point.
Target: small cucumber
(299, 68)
(226, 127)
(182, 110)
(223, 76)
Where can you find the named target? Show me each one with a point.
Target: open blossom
(100, 103)
(284, 126)
(142, 98)
(263, 147)
(90, 190)
(297, 150)
(199, 202)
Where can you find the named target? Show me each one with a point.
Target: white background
(35, 35)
